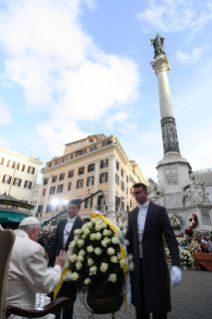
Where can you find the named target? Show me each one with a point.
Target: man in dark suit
(150, 279)
(64, 235)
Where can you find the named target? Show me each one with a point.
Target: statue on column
(154, 193)
(194, 191)
(157, 43)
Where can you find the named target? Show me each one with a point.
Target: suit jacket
(28, 273)
(155, 269)
(57, 246)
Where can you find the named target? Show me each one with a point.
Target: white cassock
(28, 274)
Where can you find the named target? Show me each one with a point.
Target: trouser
(141, 314)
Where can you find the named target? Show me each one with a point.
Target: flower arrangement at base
(98, 257)
(186, 258)
(176, 222)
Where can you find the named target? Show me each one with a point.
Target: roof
(9, 200)
(88, 137)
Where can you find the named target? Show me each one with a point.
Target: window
(40, 208)
(82, 152)
(117, 166)
(28, 184)
(69, 186)
(90, 181)
(50, 164)
(122, 173)
(122, 205)
(103, 178)
(69, 146)
(6, 179)
(76, 144)
(127, 191)
(49, 208)
(131, 191)
(127, 209)
(93, 148)
(60, 188)
(31, 170)
(44, 192)
(104, 163)
(91, 167)
(130, 203)
(127, 179)
(117, 179)
(21, 167)
(117, 201)
(88, 203)
(45, 181)
(80, 183)
(83, 142)
(73, 156)
(17, 182)
(1, 160)
(52, 190)
(61, 177)
(64, 159)
(122, 186)
(11, 164)
(81, 170)
(71, 173)
(57, 162)
(54, 178)
(106, 143)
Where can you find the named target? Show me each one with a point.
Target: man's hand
(176, 276)
(61, 259)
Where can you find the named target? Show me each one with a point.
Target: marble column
(168, 125)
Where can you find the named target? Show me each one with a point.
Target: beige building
(87, 166)
(18, 174)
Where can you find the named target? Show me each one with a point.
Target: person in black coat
(64, 235)
(150, 279)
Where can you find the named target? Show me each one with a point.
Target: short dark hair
(137, 185)
(75, 202)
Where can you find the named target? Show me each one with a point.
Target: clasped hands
(176, 276)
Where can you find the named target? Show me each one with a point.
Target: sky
(71, 68)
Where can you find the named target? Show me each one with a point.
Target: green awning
(11, 217)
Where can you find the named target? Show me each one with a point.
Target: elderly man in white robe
(28, 273)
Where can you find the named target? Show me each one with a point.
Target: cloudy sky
(69, 68)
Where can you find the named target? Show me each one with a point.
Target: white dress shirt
(68, 227)
(142, 211)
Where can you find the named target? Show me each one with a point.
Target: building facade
(18, 174)
(87, 166)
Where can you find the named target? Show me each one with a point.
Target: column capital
(161, 64)
(112, 156)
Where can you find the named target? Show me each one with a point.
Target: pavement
(191, 299)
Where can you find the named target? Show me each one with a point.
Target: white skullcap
(29, 221)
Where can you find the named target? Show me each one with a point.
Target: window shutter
(33, 171)
(106, 177)
(3, 179)
(8, 163)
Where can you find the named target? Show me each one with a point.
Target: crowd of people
(46, 239)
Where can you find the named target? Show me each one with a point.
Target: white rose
(83, 236)
(80, 258)
(104, 225)
(90, 249)
(78, 265)
(104, 243)
(77, 231)
(122, 262)
(115, 240)
(70, 275)
(89, 225)
(87, 281)
(76, 238)
(92, 236)
(67, 264)
(130, 257)
(66, 276)
(131, 266)
(114, 259)
(86, 231)
(112, 278)
(93, 270)
(103, 267)
(98, 227)
(73, 258)
(75, 276)
(69, 253)
(98, 236)
(82, 252)
(81, 242)
(98, 251)
(110, 251)
(119, 255)
(121, 226)
(126, 242)
(107, 232)
(124, 233)
(93, 221)
(90, 261)
(72, 244)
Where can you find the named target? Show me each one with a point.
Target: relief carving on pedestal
(155, 194)
(194, 191)
(169, 134)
